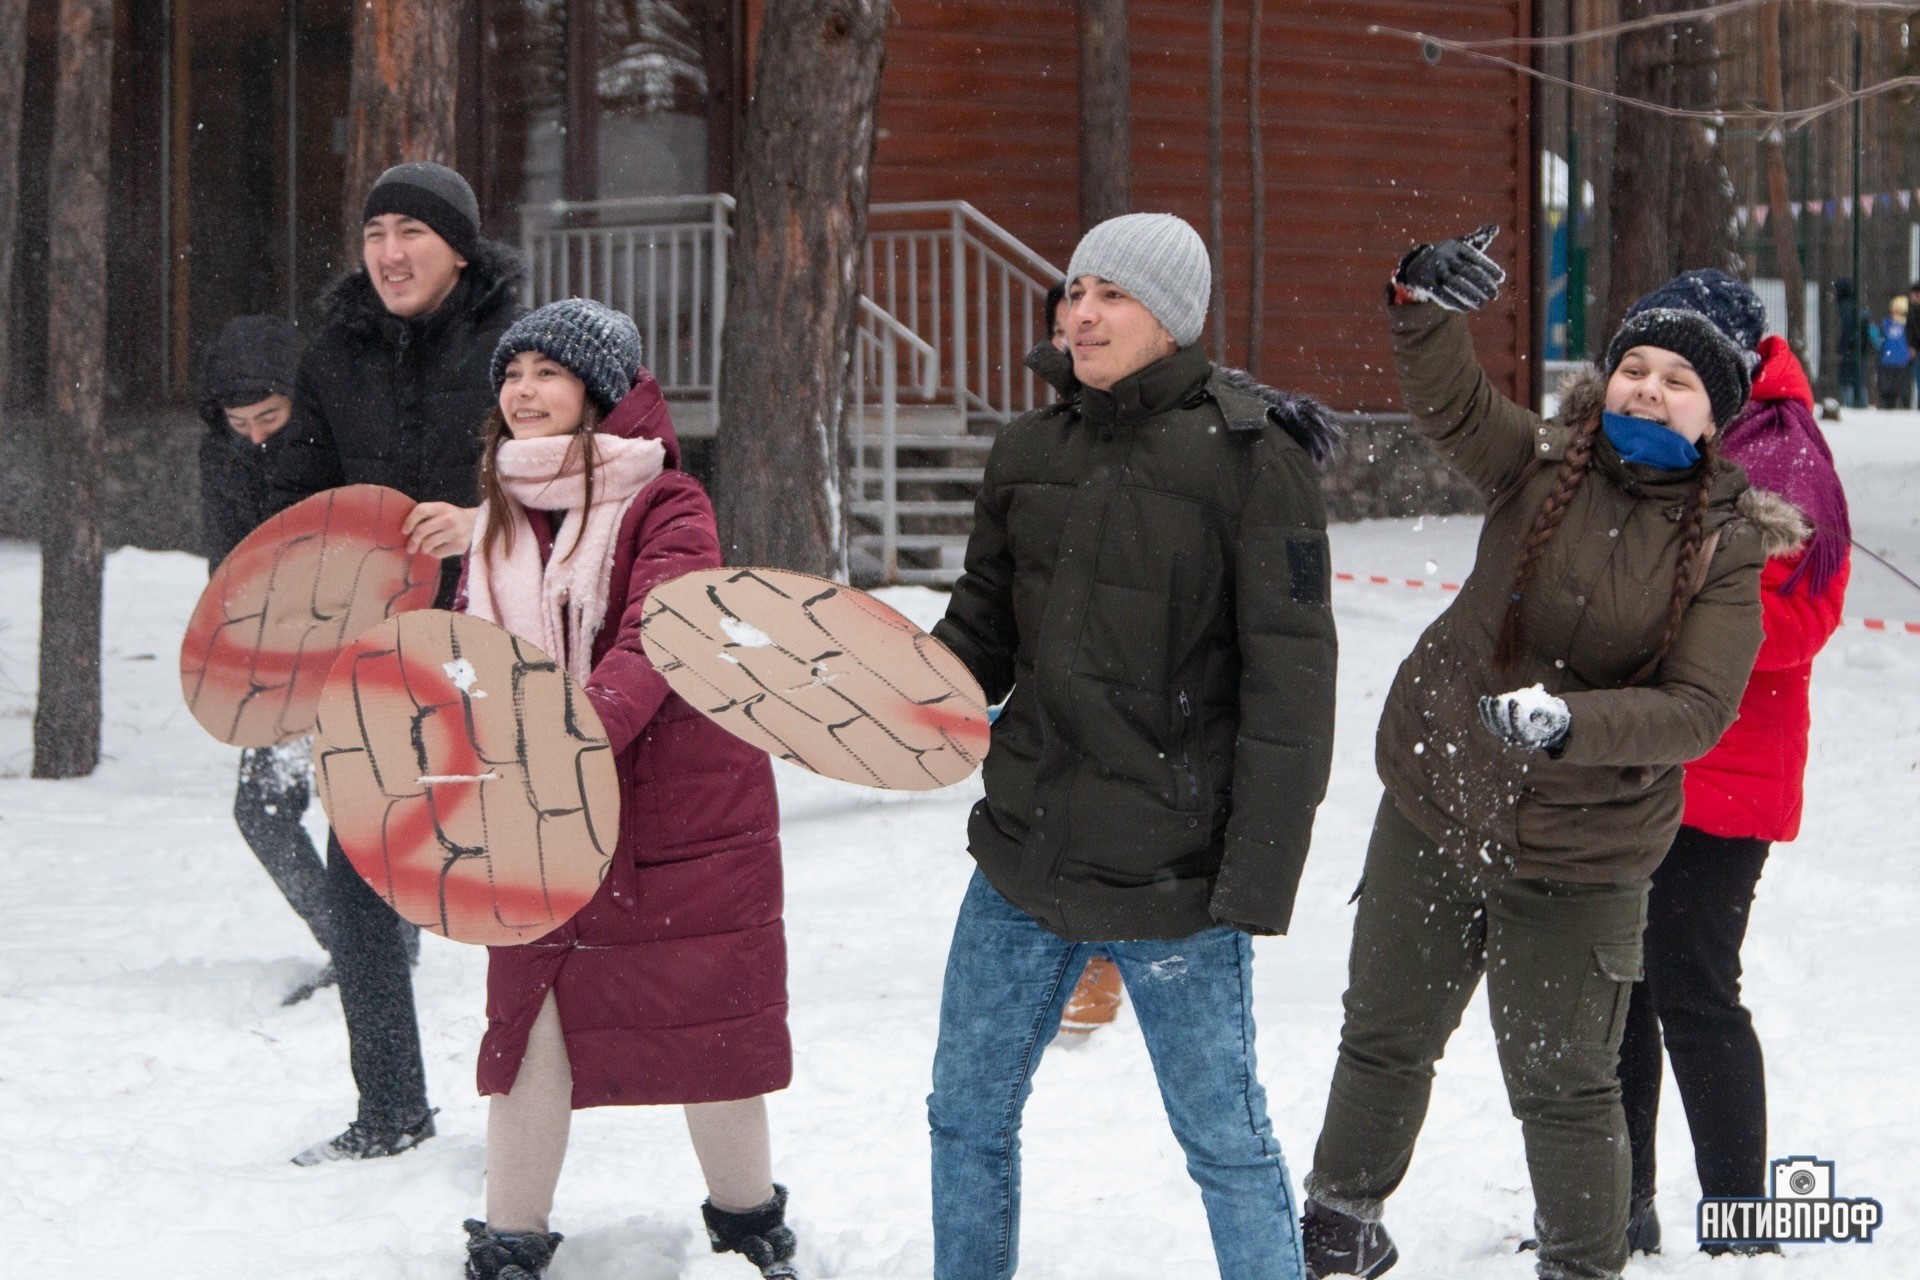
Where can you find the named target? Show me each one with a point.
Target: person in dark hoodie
(394, 391)
(246, 398)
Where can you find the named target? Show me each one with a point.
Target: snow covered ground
(151, 1089)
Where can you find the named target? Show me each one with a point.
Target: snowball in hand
(1530, 718)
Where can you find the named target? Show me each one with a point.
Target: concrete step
(955, 543)
(925, 440)
(929, 475)
(874, 507)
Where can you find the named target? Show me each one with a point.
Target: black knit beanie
(435, 195)
(1711, 319)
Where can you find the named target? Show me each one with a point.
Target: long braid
(1573, 469)
(1693, 537)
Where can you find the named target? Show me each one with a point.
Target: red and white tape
(1381, 580)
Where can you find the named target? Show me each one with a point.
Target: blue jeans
(1007, 981)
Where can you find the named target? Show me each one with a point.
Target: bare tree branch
(1791, 120)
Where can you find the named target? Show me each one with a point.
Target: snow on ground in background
(151, 1089)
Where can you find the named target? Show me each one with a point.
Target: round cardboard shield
(278, 610)
(467, 778)
(819, 674)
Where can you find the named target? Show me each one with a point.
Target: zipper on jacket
(1189, 775)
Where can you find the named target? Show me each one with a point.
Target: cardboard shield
(277, 611)
(467, 778)
(819, 674)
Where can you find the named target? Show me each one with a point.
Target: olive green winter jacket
(1148, 575)
(1606, 809)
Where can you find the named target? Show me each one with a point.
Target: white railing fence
(917, 253)
(879, 340)
(951, 305)
(660, 259)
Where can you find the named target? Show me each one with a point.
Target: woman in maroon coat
(1740, 797)
(670, 986)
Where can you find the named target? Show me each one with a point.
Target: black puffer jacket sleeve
(979, 626)
(1288, 653)
(302, 459)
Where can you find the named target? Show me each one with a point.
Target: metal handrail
(930, 381)
(1032, 260)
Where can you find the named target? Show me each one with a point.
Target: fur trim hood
(1308, 421)
(493, 276)
(1783, 529)
(1583, 395)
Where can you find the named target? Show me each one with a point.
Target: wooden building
(229, 132)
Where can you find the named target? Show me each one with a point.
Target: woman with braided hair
(1532, 747)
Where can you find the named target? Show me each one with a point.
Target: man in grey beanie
(1146, 585)
(393, 391)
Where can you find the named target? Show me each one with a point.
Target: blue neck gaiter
(1648, 444)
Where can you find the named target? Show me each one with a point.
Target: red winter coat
(672, 982)
(1750, 786)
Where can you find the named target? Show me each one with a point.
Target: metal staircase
(951, 303)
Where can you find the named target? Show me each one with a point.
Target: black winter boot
(493, 1256)
(1339, 1244)
(1643, 1228)
(368, 1142)
(761, 1235)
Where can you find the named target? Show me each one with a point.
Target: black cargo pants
(1560, 960)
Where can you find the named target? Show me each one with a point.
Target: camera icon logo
(1802, 1178)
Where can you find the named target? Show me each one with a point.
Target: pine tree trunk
(406, 61)
(13, 85)
(1774, 148)
(793, 283)
(1672, 202)
(66, 722)
(1106, 132)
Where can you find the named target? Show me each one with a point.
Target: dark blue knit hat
(599, 345)
(1710, 318)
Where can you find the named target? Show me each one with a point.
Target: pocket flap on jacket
(1620, 961)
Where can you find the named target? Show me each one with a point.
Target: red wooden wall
(1367, 149)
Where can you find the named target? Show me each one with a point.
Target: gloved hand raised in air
(1457, 274)
(1531, 719)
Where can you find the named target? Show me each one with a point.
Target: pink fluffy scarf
(560, 605)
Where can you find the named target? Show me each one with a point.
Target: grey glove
(1531, 719)
(1456, 274)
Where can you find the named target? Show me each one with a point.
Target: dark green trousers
(1560, 961)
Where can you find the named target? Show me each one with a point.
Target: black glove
(1457, 274)
(1531, 719)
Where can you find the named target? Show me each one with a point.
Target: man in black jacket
(1147, 585)
(246, 398)
(394, 391)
